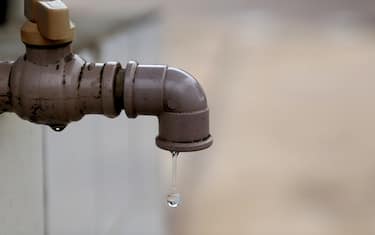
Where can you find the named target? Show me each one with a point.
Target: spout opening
(184, 132)
(184, 147)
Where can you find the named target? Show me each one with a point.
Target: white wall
(21, 175)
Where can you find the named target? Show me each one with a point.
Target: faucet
(50, 85)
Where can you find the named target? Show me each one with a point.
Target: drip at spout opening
(58, 128)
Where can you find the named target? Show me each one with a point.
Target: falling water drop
(174, 198)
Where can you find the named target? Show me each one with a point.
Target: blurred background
(290, 86)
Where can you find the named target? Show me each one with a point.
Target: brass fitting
(48, 23)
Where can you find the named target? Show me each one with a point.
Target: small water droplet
(174, 199)
(58, 128)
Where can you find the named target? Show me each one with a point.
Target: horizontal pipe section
(53, 86)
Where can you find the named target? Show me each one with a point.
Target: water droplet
(58, 128)
(174, 169)
(174, 199)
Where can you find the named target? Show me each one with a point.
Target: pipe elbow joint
(176, 98)
(183, 93)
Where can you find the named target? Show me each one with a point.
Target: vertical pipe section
(5, 94)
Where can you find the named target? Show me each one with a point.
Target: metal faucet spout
(50, 85)
(176, 98)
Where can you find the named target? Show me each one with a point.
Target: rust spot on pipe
(89, 67)
(35, 109)
(101, 82)
(80, 75)
(68, 58)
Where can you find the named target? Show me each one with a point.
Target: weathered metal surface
(53, 86)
